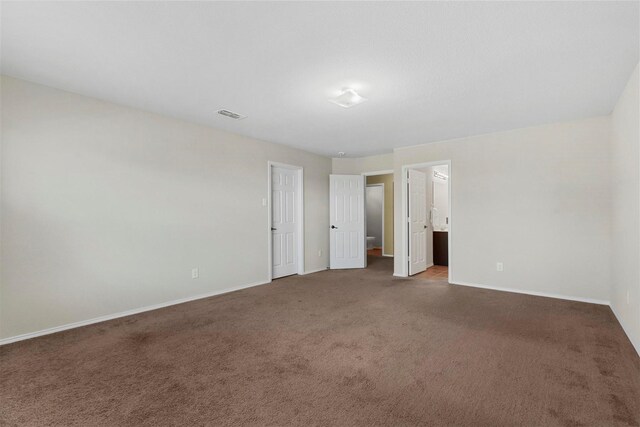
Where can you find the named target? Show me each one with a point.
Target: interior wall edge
(625, 209)
(634, 341)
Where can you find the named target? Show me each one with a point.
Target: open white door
(284, 221)
(347, 221)
(417, 222)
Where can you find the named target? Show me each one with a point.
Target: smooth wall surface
(107, 208)
(381, 162)
(535, 199)
(625, 229)
(387, 180)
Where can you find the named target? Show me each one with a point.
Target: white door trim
(404, 236)
(365, 204)
(374, 173)
(300, 218)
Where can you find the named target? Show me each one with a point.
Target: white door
(284, 217)
(429, 213)
(347, 221)
(417, 221)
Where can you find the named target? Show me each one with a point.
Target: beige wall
(625, 230)
(535, 199)
(346, 165)
(107, 208)
(387, 180)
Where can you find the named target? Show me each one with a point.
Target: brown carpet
(333, 348)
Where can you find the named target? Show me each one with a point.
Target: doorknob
(333, 226)
(425, 226)
(273, 229)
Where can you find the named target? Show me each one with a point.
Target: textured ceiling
(431, 71)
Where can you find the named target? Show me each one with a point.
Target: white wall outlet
(499, 266)
(319, 252)
(195, 273)
(264, 202)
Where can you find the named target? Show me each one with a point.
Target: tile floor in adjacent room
(436, 272)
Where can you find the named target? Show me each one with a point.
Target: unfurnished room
(319, 213)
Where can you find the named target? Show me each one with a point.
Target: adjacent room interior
(428, 219)
(320, 213)
(379, 214)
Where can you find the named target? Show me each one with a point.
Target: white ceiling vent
(231, 114)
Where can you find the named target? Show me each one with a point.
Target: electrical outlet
(499, 266)
(319, 252)
(264, 202)
(195, 273)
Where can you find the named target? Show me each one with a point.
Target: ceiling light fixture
(348, 98)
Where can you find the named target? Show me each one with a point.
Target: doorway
(348, 220)
(374, 210)
(379, 217)
(427, 229)
(285, 219)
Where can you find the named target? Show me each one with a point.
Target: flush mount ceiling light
(348, 98)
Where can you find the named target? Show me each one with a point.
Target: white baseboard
(535, 293)
(400, 275)
(73, 325)
(635, 344)
(387, 255)
(314, 271)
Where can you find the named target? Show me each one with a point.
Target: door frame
(299, 217)
(374, 173)
(404, 236)
(365, 211)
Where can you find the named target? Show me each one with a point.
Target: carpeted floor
(333, 348)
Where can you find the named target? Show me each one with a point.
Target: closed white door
(417, 222)
(284, 217)
(347, 222)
